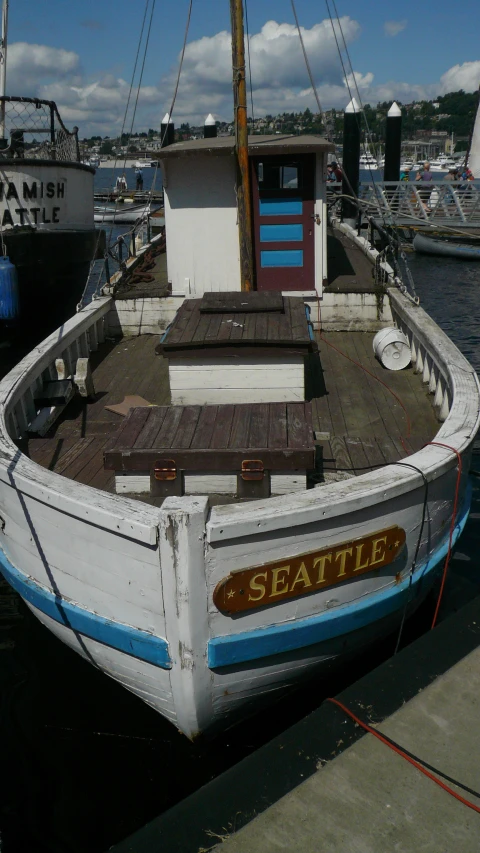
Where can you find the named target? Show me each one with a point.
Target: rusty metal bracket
(252, 469)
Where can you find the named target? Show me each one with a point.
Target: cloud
(393, 28)
(31, 64)
(280, 80)
(466, 77)
(278, 68)
(360, 81)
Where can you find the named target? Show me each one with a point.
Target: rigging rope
(162, 140)
(307, 63)
(92, 263)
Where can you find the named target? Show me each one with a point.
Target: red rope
(452, 524)
(365, 369)
(404, 755)
(436, 443)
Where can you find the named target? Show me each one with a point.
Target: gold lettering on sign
(308, 573)
(358, 564)
(257, 586)
(377, 555)
(320, 562)
(277, 580)
(301, 577)
(343, 557)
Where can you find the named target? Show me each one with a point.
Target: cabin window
(287, 176)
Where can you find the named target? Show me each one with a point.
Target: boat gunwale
(37, 161)
(135, 519)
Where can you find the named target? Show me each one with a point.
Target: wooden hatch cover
(241, 303)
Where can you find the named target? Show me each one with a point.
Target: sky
(82, 55)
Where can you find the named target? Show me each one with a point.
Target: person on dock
(405, 175)
(335, 173)
(139, 179)
(424, 174)
(452, 174)
(121, 184)
(425, 177)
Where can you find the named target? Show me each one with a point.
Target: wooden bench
(249, 449)
(232, 347)
(55, 394)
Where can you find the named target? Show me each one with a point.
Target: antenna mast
(244, 204)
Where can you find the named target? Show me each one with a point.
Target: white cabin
(288, 185)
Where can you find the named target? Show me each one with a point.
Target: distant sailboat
(473, 154)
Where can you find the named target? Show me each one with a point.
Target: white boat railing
(76, 339)
(408, 202)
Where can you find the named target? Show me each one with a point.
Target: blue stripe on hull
(276, 639)
(124, 638)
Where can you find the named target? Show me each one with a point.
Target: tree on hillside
(106, 147)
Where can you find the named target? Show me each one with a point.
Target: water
(105, 178)
(85, 763)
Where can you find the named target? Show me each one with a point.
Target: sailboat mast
(3, 66)
(244, 204)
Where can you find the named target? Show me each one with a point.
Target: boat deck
(359, 424)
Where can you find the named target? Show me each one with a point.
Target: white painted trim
(182, 531)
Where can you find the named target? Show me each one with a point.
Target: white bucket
(391, 347)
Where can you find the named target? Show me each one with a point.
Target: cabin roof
(274, 144)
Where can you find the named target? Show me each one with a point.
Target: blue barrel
(9, 299)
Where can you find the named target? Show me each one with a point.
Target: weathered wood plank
(186, 427)
(277, 432)
(205, 427)
(223, 427)
(240, 427)
(259, 425)
(241, 302)
(169, 426)
(147, 435)
(134, 423)
(299, 425)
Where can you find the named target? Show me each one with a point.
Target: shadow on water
(85, 763)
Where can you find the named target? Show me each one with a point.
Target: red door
(283, 205)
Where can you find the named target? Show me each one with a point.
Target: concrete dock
(325, 785)
(370, 799)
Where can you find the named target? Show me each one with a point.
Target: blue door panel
(281, 206)
(282, 258)
(281, 233)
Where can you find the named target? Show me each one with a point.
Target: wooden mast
(244, 202)
(3, 65)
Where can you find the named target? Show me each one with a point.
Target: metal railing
(452, 203)
(33, 129)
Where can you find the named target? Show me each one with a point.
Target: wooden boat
(126, 214)
(257, 510)
(46, 215)
(46, 210)
(446, 248)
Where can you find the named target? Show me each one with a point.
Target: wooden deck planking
(363, 421)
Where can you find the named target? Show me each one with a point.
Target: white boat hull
(131, 587)
(121, 215)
